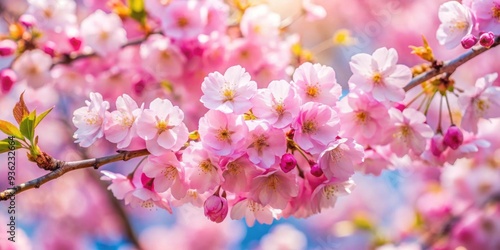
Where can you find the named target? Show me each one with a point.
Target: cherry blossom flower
(120, 184)
(238, 174)
(229, 93)
(103, 32)
(260, 23)
(265, 144)
(53, 14)
(162, 127)
(167, 173)
(161, 58)
(482, 102)
(184, 20)
(338, 159)
(223, 134)
(146, 198)
(456, 23)
(317, 83)
(274, 188)
(89, 120)
(252, 211)
(379, 74)
(278, 104)
(486, 13)
(325, 195)
(120, 124)
(316, 126)
(33, 67)
(313, 11)
(202, 170)
(409, 132)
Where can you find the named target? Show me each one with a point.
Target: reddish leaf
(20, 110)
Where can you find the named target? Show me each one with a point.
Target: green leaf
(27, 126)
(137, 10)
(40, 117)
(6, 145)
(9, 129)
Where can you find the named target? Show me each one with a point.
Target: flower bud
(216, 208)
(487, 39)
(147, 182)
(316, 170)
(453, 137)
(469, 41)
(288, 162)
(27, 20)
(7, 47)
(49, 48)
(437, 145)
(7, 78)
(75, 42)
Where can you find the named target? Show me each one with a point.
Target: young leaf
(137, 10)
(20, 110)
(27, 126)
(9, 129)
(40, 117)
(6, 145)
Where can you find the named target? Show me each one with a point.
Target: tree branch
(70, 166)
(449, 66)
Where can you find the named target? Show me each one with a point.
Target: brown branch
(449, 66)
(70, 166)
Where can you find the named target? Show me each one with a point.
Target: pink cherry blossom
(316, 82)
(260, 23)
(410, 132)
(145, 198)
(228, 93)
(379, 74)
(120, 184)
(316, 126)
(223, 134)
(278, 104)
(162, 127)
(120, 124)
(313, 11)
(363, 118)
(265, 144)
(252, 210)
(274, 188)
(238, 174)
(161, 58)
(89, 120)
(338, 159)
(184, 20)
(33, 68)
(325, 195)
(216, 208)
(486, 14)
(482, 102)
(456, 23)
(167, 173)
(53, 14)
(202, 170)
(102, 32)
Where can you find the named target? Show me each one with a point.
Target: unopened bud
(147, 182)
(216, 208)
(7, 47)
(453, 137)
(316, 170)
(75, 42)
(7, 78)
(49, 48)
(437, 145)
(288, 162)
(27, 20)
(469, 41)
(487, 39)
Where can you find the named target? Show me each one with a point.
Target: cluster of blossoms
(468, 23)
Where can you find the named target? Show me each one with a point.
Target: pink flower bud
(400, 106)
(437, 145)
(288, 162)
(487, 39)
(27, 20)
(7, 47)
(468, 41)
(147, 182)
(7, 78)
(216, 208)
(316, 170)
(75, 42)
(49, 48)
(453, 137)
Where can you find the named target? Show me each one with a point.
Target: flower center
(309, 127)
(272, 182)
(233, 168)
(495, 12)
(224, 135)
(162, 126)
(170, 173)
(312, 90)
(92, 119)
(228, 94)
(361, 116)
(182, 22)
(280, 108)
(482, 105)
(329, 191)
(206, 166)
(254, 206)
(377, 78)
(147, 204)
(259, 142)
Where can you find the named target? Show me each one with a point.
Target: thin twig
(449, 66)
(70, 166)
